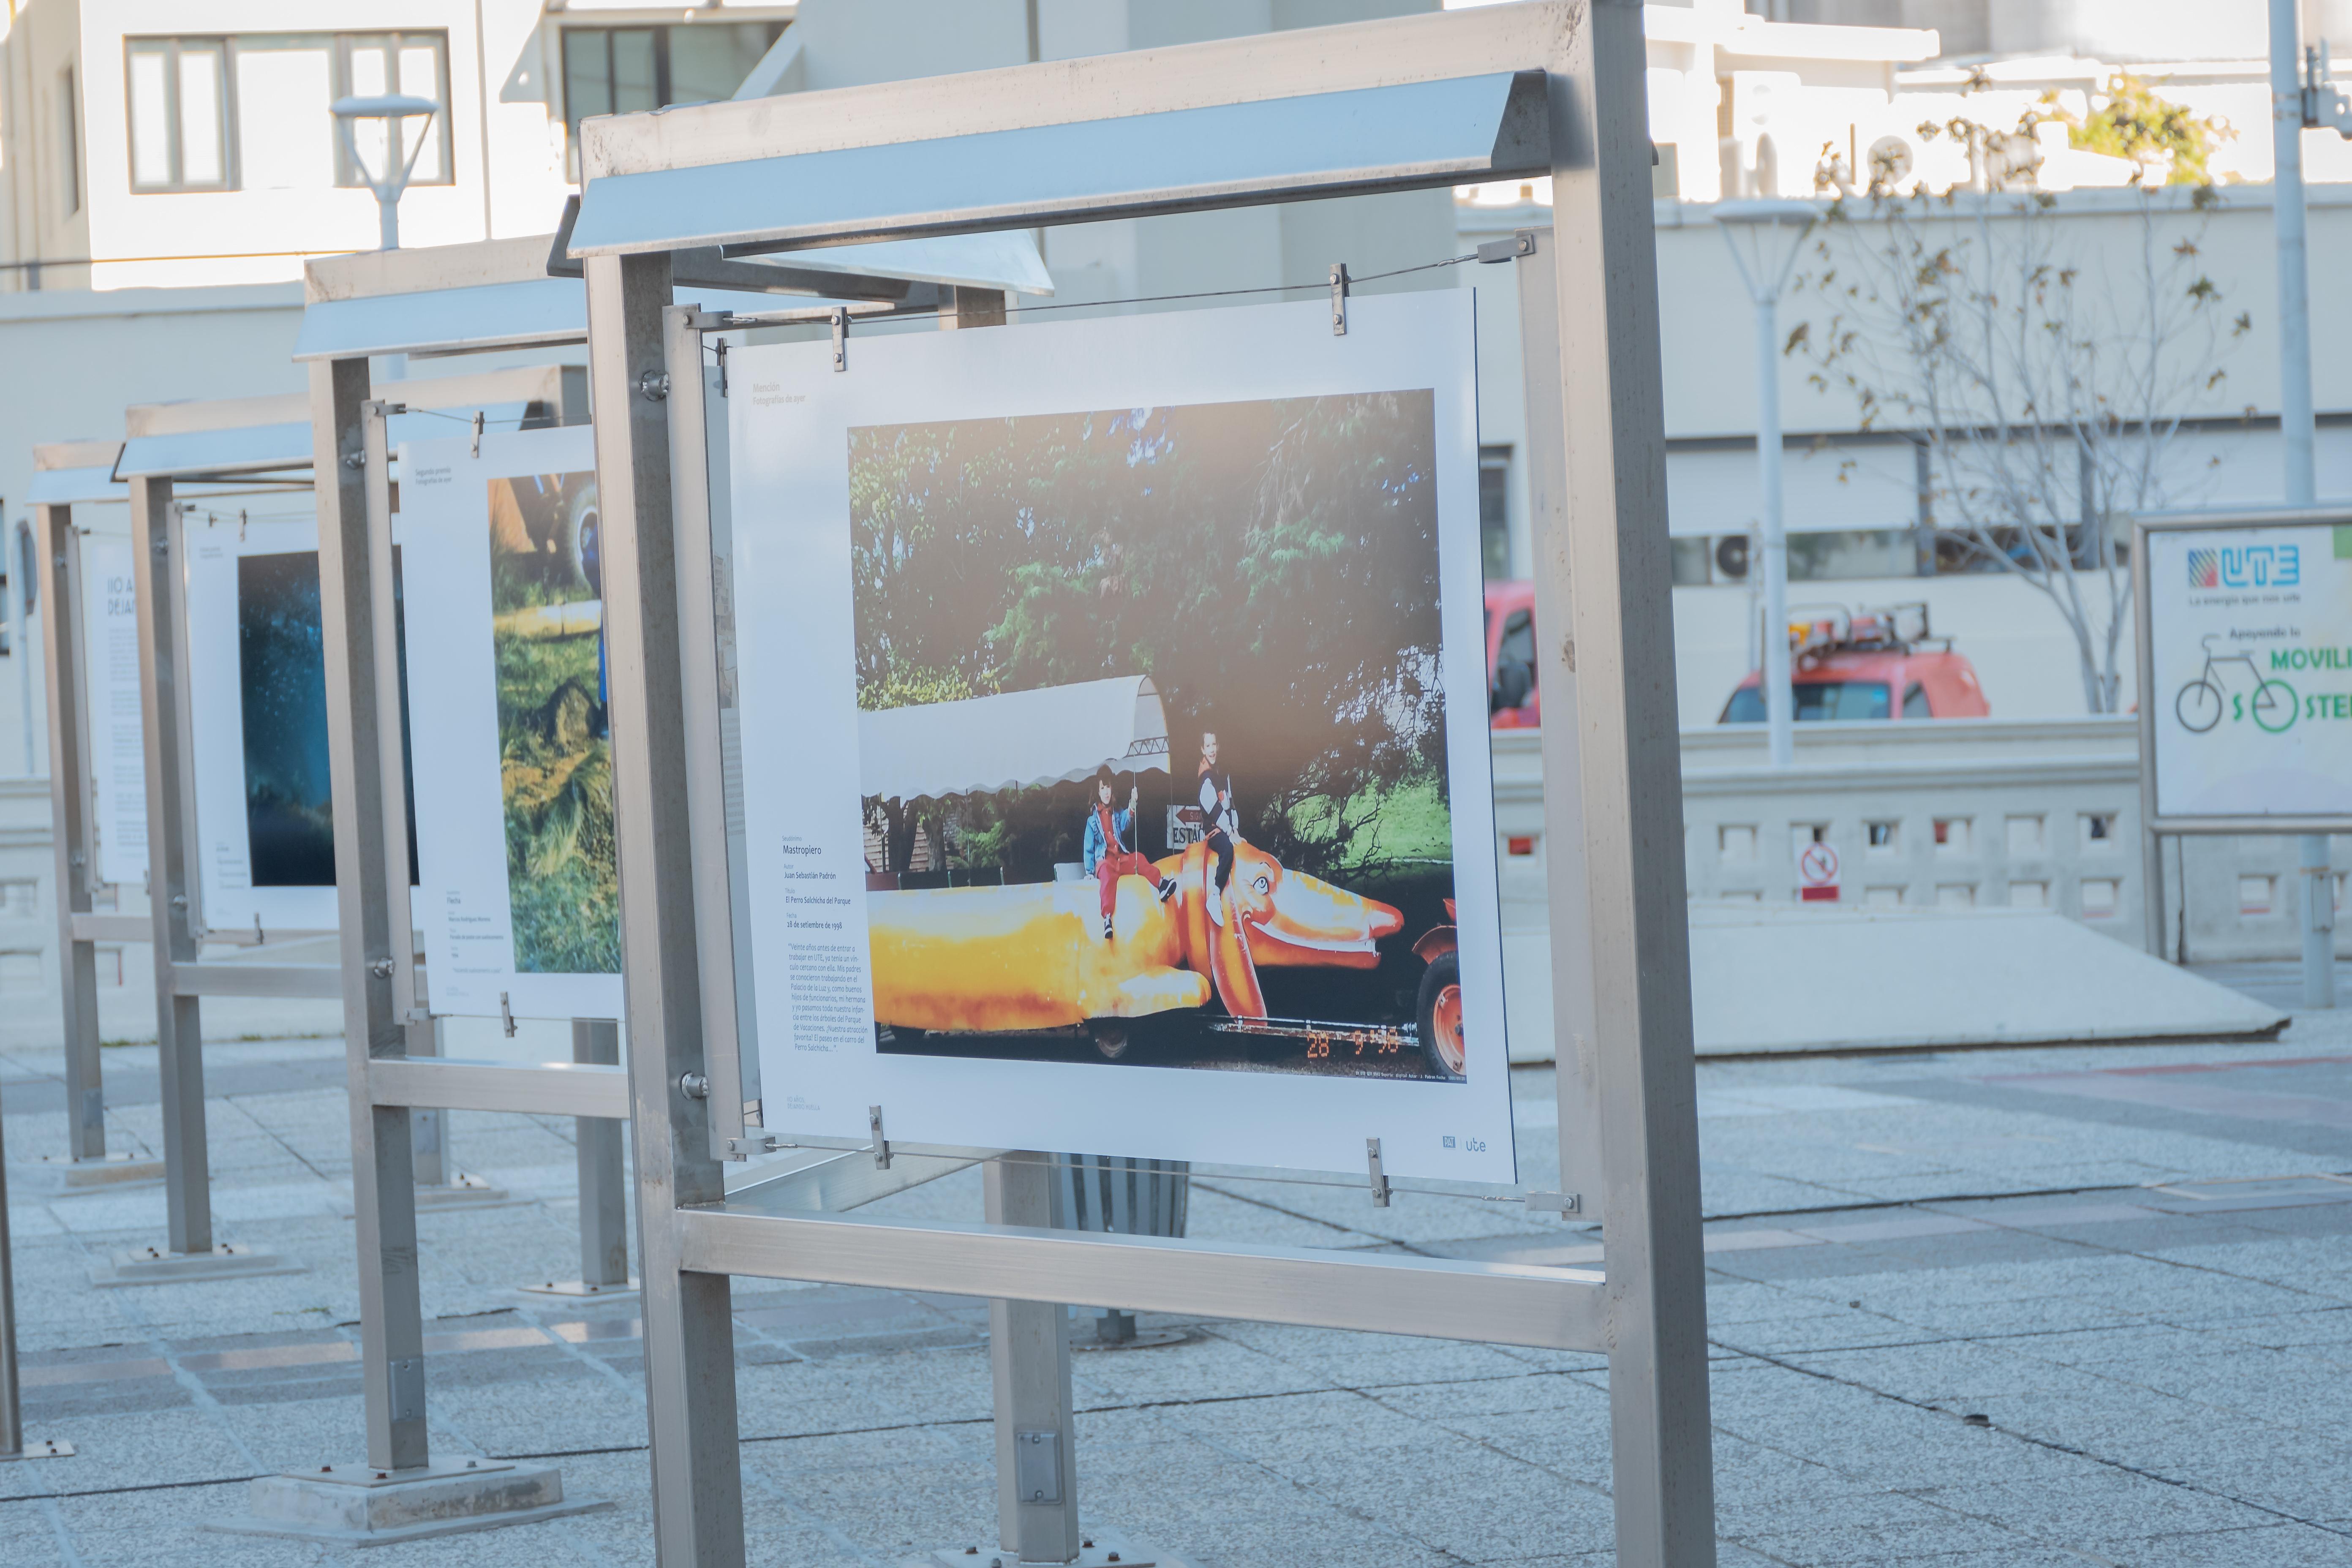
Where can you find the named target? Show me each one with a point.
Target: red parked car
(1512, 701)
(1869, 664)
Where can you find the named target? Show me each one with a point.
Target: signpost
(2245, 684)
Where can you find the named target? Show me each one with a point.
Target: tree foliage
(2046, 367)
(1271, 565)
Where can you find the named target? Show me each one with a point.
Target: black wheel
(1109, 1037)
(2199, 707)
(1443, 1043)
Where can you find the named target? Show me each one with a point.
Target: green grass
(1410, 822)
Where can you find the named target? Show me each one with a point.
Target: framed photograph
(1110, 715)
(518, 892)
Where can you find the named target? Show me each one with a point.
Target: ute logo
(2246, 566)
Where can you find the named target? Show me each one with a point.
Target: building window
(626, 70)
(179, 113)
(250, 112)
(69, 141)
(1495, 509)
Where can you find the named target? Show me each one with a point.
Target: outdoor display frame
(219, 459)
(452, 300)
(2155, 829)
(1560, 86)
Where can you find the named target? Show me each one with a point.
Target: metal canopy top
(497, 294)
(65, 472)
(1397, 137)
(257, 436)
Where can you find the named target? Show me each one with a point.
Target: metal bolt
(694, 1086)
(654, 384)
(355, 460)
(380, 968)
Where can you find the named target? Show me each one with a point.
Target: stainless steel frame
(1614, 805)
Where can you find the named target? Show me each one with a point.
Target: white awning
(63, 486)
(529, 313)
(1056, 735)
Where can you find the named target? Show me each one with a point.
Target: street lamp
(391, 108)
(1764, 236)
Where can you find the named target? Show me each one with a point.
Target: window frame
(339, 44)
(169, 46)
(348, 176)
(663, 96)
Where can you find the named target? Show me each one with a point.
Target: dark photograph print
(290, 814)
(555, 750)
(1152, 737)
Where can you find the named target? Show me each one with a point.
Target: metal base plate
(579, 1289)
(465, 1191)
(153, 1266)
(1144, 1339)
(1104, 1549)
(352, 1505)
(41, 1448)
(62, 1177)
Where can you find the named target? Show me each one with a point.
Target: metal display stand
(67, 474)
(497, 295)
(12, 1411)
(236, 447)
(2318, 889)
(1507, 92)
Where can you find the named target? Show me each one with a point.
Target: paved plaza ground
(2000, 1307)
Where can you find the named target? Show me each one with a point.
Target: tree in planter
(2047, 376)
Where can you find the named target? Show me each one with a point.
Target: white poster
(2250, 637)
(518, 894)
(257, 712)
(1114, 760)
(117, 742)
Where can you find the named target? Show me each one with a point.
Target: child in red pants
(1110, 847)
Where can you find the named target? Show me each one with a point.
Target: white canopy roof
(1056, 735)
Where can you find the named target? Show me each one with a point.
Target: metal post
(603, 1196)
(2295, 425)
(355, 613)
(689, 1336)
(12, 1410)
(23, 577)
(69, 774)
(1619, 652)
(1029, 1354)
(172, 841)
(1778, 697)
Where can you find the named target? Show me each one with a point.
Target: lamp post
(1764, 238)
(392, 108)
(2291, 111)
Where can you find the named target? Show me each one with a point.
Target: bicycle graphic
(2201, 703)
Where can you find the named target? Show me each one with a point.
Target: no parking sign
(1817, 874)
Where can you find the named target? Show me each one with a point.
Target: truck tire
(1442, 1044)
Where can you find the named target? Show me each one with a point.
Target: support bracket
(1379, 1176)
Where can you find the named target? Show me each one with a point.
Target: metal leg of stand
(1029, 1352)
(603, 1195)
(12, 1411)
(86, 1166)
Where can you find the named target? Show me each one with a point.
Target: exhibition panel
(960, 1000)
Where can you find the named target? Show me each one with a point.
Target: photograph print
(1153, 737)
(555, 762)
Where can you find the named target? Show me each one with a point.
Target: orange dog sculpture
(1030, 956)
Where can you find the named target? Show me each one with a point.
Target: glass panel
(1852, 552)
(368, 73)
(202, 137)
(420, 76)
(637, 82)
(708, 61)
(1914, 702)
(1690, 562)
(587, 73)
(150, 116)
(1816, 700)
(285, 137)
(1494, 509)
